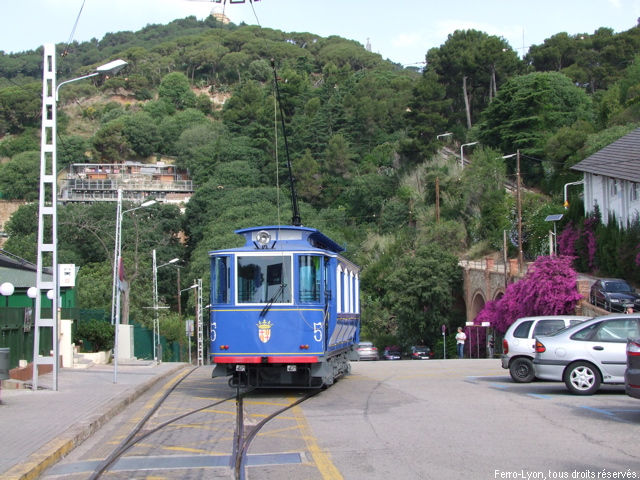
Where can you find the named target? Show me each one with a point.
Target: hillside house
(612, 180)
(99, 182)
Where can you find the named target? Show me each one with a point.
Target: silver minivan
(518, 345)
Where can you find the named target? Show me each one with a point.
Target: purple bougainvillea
(589, 235)
(548, 288)
(567, 241)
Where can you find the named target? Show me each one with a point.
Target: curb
(51, 452)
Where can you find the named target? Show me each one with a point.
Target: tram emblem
(264, 330)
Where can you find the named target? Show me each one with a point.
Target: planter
(98, 358)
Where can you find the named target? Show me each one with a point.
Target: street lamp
(566, 199)
(447, 134)
(6, 290)
(117, 271)
(110, 68)
(199, 321)
(156, 321)
(553, 245)
(462, 152)
(519, 207)
(118, 247)
(190, 331)
(47, 207)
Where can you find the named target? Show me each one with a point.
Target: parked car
(392, 353)
(419, 352)
(588, 354)
(367, 351)
(614, 294)
(518, 345)
(632, 373)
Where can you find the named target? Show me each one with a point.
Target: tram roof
(287, 237)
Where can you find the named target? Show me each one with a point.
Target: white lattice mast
(200, 326)
(47, 222)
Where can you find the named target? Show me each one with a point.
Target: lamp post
(462, 152)
(199, 321)
(446, 134)
(566, 199)
(117, 271)
(6, 290)
(47, 254)
(189, 330)
(110, 68)
(519, 206)
(156, 321)
(553, 244)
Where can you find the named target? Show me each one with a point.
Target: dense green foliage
(364, 136)
(94, 335)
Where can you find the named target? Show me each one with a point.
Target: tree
(234, 64)
(529, 108)
(471, 63)
(421, 291)
(72, 149)
(555, 53)
(27, 141)
(548, 288)
(19, 179)
(141, 133)
(485, 199)
(307, 175)
(175, 89)
(366, 195)
(172, 126)
(426, 117)
(20, 107)
(111, 142)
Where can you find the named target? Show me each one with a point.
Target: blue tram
(285, 309)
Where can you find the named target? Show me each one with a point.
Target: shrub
(98, 335)
(549, 288)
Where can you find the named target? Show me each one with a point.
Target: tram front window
(264, 279)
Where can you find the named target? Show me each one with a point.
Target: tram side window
(264, 279)
(310, 277)
(221, 280)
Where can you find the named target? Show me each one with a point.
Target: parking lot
(468, 419)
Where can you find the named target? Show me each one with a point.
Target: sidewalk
(38, 428)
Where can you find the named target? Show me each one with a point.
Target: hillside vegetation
(364, 136)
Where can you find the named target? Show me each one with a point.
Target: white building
(612, 180)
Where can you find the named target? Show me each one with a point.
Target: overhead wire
(73, 31)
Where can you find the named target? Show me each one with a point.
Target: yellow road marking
(325, 466)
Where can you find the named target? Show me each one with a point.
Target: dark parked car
(367, 351)
(614, 294)
(632, 373)
(420, 353)
(392, 353)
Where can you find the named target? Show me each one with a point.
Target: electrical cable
(73, 31)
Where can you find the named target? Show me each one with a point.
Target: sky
(400, 30)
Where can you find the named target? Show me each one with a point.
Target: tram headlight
(263, 237)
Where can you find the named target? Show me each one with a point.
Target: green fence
(16, 333)
(143, 345)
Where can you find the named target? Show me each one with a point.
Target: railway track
(244, 432)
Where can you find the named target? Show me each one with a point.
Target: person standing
(460, 339)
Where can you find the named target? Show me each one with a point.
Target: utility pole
(505, 259)
(519, 201)
(437, 199)
(179, 298)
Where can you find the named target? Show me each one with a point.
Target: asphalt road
(432, 419)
